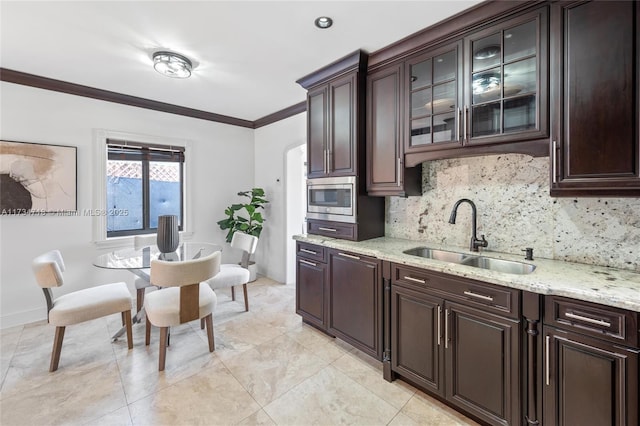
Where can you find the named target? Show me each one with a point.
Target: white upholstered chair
(185, 299)
(78, 306)
(232, 275)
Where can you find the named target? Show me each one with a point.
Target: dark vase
(168, 236)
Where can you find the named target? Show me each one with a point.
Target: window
(143, 181)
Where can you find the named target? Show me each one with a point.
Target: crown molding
(31, 80)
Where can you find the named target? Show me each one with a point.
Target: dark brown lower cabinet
(311, 279)
(482, 363)
(450, 337)
(416, 338)
(588, 381)
(355, 300)
(311, 284)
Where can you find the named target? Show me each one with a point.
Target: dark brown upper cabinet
(386, 174)
(486, 92)
(434, 101)
(595, 148)
(335, 117)
(506, 81)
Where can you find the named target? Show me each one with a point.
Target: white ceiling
(248, 54)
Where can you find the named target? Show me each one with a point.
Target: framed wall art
(37, 178)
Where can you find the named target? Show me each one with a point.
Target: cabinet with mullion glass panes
(434, 99)
(506, 100)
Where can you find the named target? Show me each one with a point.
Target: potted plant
(245, 217)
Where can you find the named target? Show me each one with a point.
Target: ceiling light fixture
(172, 64)
(323, 22)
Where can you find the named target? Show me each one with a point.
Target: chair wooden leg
(233, 293)
(246, 298)
(139, 299)
(57, 347)
(127, 321)
(201, 323)
(147, 333)
(164, 335)
(209, 321)
(122, 318)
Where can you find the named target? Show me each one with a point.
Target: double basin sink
(477, 261)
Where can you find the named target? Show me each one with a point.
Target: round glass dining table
(138, 261)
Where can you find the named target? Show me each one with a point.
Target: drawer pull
(306, 262)
(327, 229)
(415, 280)
(308, 251)
(349, 256)
(479, 296)
(587, 319)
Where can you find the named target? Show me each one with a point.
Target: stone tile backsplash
(511, 193)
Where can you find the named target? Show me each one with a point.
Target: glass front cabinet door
(435, 99)
(506, 81)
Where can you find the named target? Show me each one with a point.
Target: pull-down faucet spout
(475, 242)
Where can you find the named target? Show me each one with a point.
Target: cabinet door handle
(439, 315)
(459, 136)
(399, 171)
(479, 296)
(306, 262)
(308, 251)
(466, 120)
(554, 178)
(546, 359)
(349, 256)
(327, 229)
(446, 328)
(587, 319)
(415, 280)
(328, 160)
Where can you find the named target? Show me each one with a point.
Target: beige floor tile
(187, 355)
(271, 369)
(368, 372)
(330, 398)
(257, 418)
(8, 343)
(71, 396)
(322, 345)
(426, 410)
(120, 417)
(211, 397)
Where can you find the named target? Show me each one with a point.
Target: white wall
(222, 163)
(271, 144)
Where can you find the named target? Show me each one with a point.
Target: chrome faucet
(475, 242)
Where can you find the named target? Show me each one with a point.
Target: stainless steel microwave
(332, 199)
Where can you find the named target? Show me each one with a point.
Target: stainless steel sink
(499, 265)
(442, 255)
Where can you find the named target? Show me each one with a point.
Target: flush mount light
(172, 64)
(323, 22)
(487, 52)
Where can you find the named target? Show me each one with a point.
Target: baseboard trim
(22, 318)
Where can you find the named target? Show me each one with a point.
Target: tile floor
(268, 368)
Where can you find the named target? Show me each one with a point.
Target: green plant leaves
(245, 217)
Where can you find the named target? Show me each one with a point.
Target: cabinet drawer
(345, 231)
(606, 322)
(502, 300)
(311, 251)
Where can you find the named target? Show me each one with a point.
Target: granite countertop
(608, 286)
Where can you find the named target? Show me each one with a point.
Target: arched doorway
(296, 203)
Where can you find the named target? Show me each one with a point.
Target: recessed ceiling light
(323, 22)
(172, 64)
